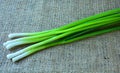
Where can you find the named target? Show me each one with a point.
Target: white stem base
(14, 35)
(11, 45)
(20, 57)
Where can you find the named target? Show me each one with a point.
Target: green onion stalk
(101, 23)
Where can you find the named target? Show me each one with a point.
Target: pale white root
(20, 52)
(13, 44)
(10, 56)
(12, 41)
(20, 56)
(14, 35)
(6, 43)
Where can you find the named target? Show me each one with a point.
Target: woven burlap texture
(100, 54)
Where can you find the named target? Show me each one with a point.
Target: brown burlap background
(100, 54)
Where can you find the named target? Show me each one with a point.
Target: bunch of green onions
(91, 26)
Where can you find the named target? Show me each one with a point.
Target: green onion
(91, 26)
(62, 42)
